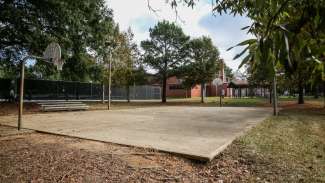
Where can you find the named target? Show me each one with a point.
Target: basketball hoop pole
(49, 55)
(220, 97)
(21, 90)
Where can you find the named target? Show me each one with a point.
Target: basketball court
(196, 132)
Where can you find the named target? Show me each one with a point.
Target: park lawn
(249, 101)
(239, 102)
(288, 148)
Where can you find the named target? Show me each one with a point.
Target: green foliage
(166, 50)
(78, 26)
(287, 32)
(126, 66)
(228, 72)
(203, 61)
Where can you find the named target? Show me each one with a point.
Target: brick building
(175, 88)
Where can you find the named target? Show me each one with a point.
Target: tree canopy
(288, 34)
(78, 26)
(202, 64)
(165, 51)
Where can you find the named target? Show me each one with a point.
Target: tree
(125, 70)
(277, 25)
(260, 74)
(26, 27)
(228, 72)
(165, 51)
(202, 64)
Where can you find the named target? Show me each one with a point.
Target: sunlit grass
(291, 146)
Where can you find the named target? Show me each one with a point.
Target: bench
(62, 106)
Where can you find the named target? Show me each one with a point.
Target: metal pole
(216, 93)
(21, 93)
(109, 82)
(220, 97)
(103, 93)
(134, 91)
(91, 90)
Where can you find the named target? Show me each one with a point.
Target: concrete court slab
(197, 132)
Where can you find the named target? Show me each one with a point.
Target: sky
(225, 30)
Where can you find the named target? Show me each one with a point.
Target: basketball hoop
(217, 82)
(52, 53)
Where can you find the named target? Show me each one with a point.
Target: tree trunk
(202, 92)
(316, 94)
(163, 97)
(275, 97)
(128, 93)
(270, 96)
(301, 91)
(324, 91)
(324, 88)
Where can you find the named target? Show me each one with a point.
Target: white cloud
(225, 30)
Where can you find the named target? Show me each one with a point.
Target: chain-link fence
(70, 90)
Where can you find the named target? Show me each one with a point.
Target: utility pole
(220, 98)
(109, 81)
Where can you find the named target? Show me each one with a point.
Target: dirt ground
(7, 108)
(36, 157)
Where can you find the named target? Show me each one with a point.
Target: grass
(209, 102)
(245, 101)
(288, 148)
(240, 102)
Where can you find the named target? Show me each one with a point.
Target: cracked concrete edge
(187, 155)
(202, 158)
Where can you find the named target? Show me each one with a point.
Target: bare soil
(37, 157)
(7, 108)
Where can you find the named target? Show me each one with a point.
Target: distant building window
(176, 87)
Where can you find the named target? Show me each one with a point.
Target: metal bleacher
(62, 106)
